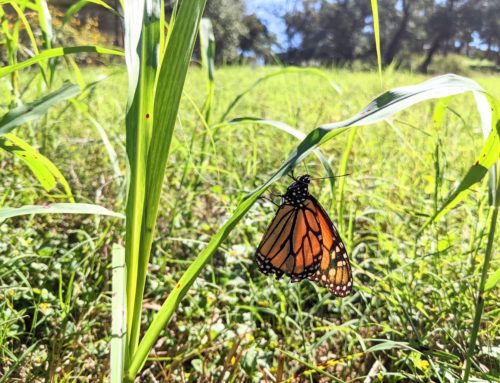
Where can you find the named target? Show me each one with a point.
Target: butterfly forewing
(334, 271)
(292, 243)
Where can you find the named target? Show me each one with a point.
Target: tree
(257, 39)
(328, 31)
(489, 31)
(338, 31)
(227, 20)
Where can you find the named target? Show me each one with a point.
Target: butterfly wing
(334, 271)
(292, 243)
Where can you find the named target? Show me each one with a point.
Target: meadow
(412, 310)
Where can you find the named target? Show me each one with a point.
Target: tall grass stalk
(488, 255)
(376, 33)
(142, 64)
(153, 104)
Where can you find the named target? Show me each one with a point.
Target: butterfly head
(298, 191)
(305, 179)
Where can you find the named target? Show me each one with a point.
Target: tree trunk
(433, 49)
(393, 47)
(438, 40)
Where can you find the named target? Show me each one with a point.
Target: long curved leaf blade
(76, 7)
(34, 110)
(58, 52)
(57, 208)
(169, 86)
(44, 170)
(142, 39)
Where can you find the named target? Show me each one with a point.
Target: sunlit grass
(408, 289)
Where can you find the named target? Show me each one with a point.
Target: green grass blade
(376, 32)
(378, 110)
(118, 315)
(482, 284)
(136, 148)
(57, 208)
(207, 48)
(27, 26)
(45, 22)
(34, 110)
(18, 361)
(167, 98)
(58, 52)
(113, 157)
(44, 170)
(280, 72)
(142, 44)
(82, 3)
(343, 170)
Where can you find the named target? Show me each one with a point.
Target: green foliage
(32, 111)
(410, 316)
(234, 318)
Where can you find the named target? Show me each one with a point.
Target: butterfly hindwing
(335, 270)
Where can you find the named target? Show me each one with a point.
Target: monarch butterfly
(302, 242)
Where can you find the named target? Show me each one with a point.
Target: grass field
(413, 304)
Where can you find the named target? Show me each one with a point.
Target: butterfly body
(302, 242)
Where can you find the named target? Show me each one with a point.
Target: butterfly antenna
(326, 178)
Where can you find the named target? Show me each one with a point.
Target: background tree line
(322, 32)
(341, 31)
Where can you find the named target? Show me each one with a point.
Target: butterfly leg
(269, 199)
(276, 194)
(291, 175)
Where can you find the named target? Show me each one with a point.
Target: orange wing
(292, 243)
(335, 271)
